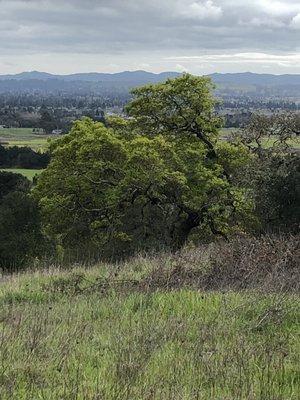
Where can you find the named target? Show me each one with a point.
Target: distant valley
(61, 99)
(110, 86)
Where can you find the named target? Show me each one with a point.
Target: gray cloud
(198, 35)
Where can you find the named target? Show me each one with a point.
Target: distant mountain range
(119, 85)
(141, 77)
(249, 78)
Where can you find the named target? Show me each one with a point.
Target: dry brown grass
(269, 262)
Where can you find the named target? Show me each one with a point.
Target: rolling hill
(265, 85)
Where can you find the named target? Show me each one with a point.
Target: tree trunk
(182, 231)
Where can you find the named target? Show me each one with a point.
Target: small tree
(274, 173)
(47, 120)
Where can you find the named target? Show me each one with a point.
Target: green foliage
(277, 191)
(47, 120)
(19, 222)
(145, 183)
(103, 191)
(22, 157)
(10, 182)
(182, 106)
(274, 173)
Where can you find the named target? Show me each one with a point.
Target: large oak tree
(149, 181)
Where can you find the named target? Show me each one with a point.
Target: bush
(270, 262)
(20, 229)
(274, 174)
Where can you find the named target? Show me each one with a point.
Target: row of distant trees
(50, 112)
(23, 157)
(44, 118)
(160, 179)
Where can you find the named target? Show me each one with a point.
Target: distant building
(57, 132)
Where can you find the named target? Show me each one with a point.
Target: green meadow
(101, 333)
(267, 141)
(29, 173)
(24, 137)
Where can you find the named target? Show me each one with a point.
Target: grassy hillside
(147, 330)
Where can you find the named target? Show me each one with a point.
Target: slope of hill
(27, 76)
(100, 83)
(245, 78)
(148, 329)
(109, 85)
(248, 78)
(126, 76)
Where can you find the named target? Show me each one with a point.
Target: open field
(267, 142)
(228, 131)
(29, 173)
(144, 330)
(24, 137)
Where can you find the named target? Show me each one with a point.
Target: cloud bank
(197, 35)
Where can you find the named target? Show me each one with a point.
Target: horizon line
(145, 71)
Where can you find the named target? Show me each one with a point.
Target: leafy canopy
(148, 181)
(182, 106)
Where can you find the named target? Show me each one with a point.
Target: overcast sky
(200, 36)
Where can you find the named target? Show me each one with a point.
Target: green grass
(24, 137)
(228, 131)
(13, 132)
(267, 141)
(65, 336)
(29, 173)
